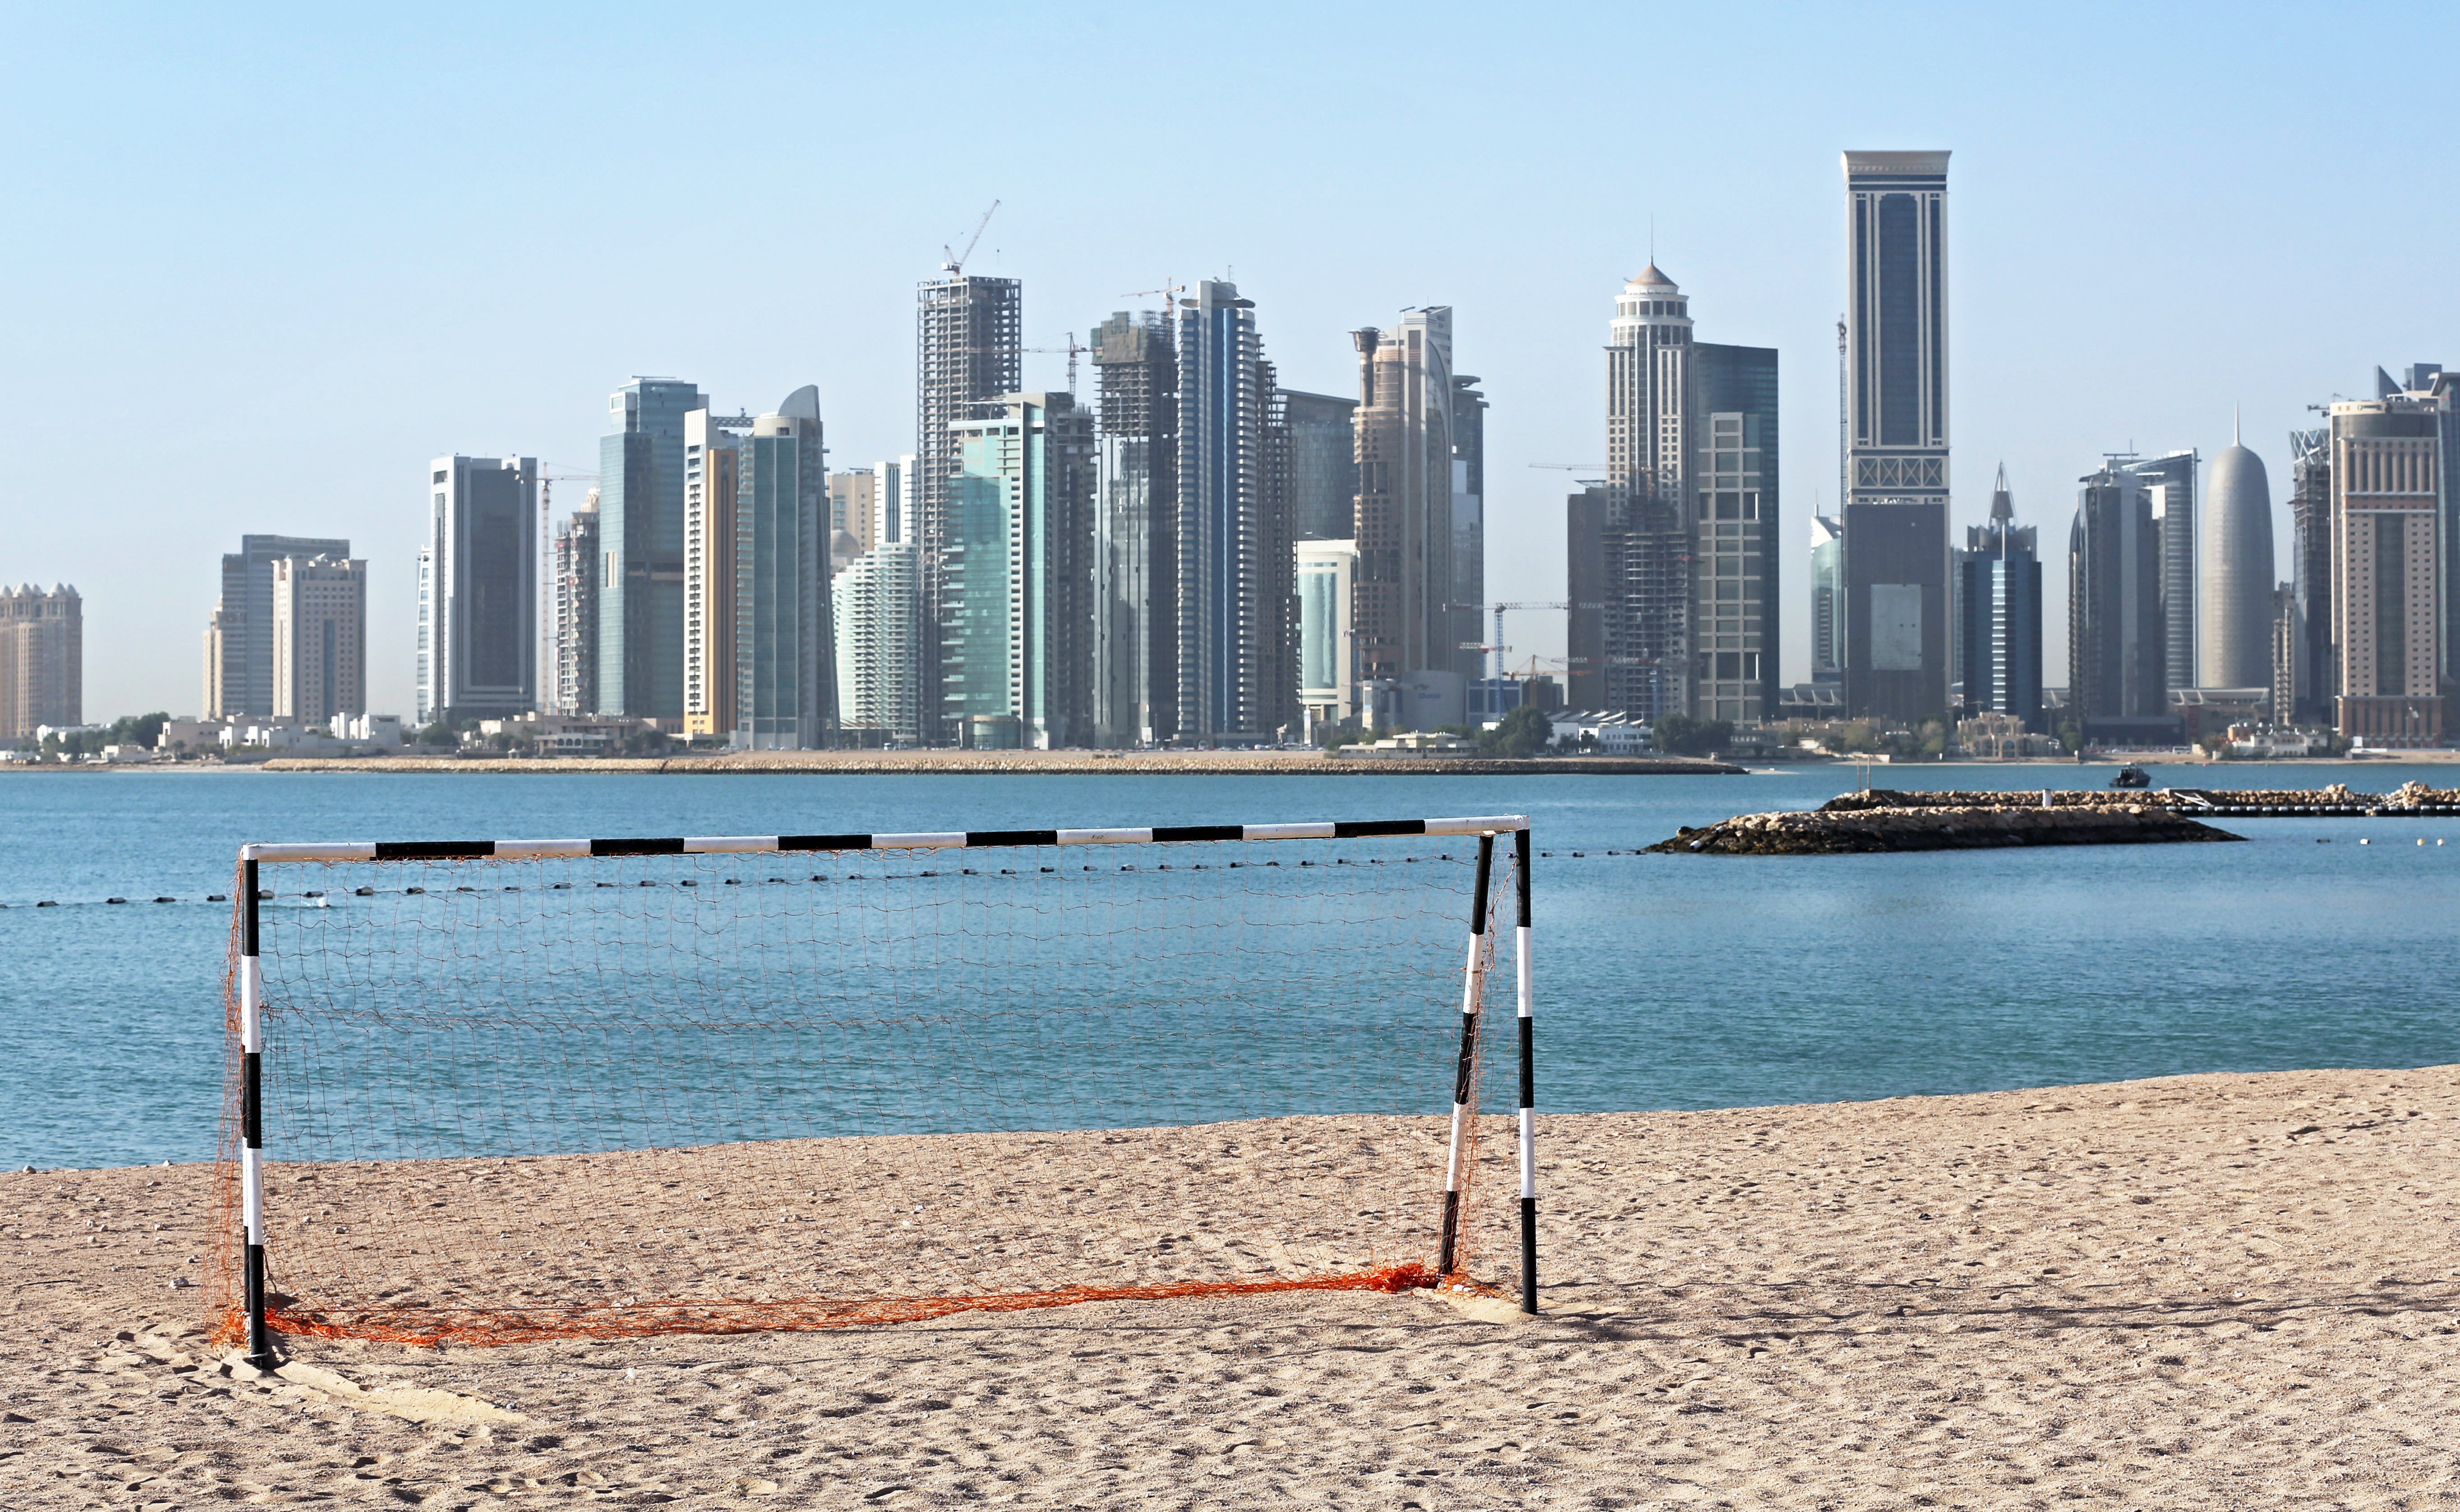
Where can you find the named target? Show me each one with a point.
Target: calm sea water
(1663, 981)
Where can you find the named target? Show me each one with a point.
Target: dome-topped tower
(2235, 566)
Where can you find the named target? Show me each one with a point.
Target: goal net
(504, 1091)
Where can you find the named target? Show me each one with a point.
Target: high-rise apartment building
(320, 639)
(573, 571)
(1827, 597)
(2169, 484)
(968, 354)
(1646, 533)
(238, 639)
(712, 477)
(477, 590)
(1135, 531)
(2392, 505)
(2001, 604)
(42, 660)
(1894, 556)
(875, 606)
(1407, 582)
(1734, 518)
(1592, 558)
(853, 508)
(2310, 526)
(2290, 677)
(1323, 463)
(1017, 601)
(641, 540)
(2116, 646)
(1231, 547)
(2236, 593)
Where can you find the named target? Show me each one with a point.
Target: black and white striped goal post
(249, 978)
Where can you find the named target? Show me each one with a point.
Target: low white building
(1608, 732)
(368, 729)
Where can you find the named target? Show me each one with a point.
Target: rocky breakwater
(1853, 825)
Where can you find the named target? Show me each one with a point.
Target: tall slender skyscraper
(2234, 644)
(874, 603)
(785, 665)
(2116, 650)
(1895, 512)
(1135, 524)
(1466, 627)
(1324, 464)
(575, 566)
(641, 533)
(1645, 529)
(2310, 525)
(712, 474)
(1406, 579)
(1827, 595)
(2001, 623)
(2168, 483)
(1018, 666)
(1232, 599)
(478, 591)
(1734, 516)
(969, 353)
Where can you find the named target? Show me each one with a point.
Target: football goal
(496, 1091)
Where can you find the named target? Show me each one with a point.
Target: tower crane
(955, 261)
(1074, 349)
(1168, 293)
(1498, 646)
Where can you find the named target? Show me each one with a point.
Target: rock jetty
(1854, 825)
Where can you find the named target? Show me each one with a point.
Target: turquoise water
(1662, 982)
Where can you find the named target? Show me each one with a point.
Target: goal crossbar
(256, 1315)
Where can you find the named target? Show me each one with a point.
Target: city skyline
(377, 320)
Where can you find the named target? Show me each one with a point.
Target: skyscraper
(574, 571)
(874, 604)
(1233, 607)
(2002, 603)
(1406, 572)
(969, 353)
(2234, 644)
(1827, 593)
(2391, 506)
(1017, 602)
(1591, 554)
(42, 660)
(1894, 556)
(1327, 681)
(712, 477)
(785, 668)
(2168, 483)
(1465, 626)
(1646, 533)
(641, 536)
(1323, 463)
(2310, 525)
(1734, 518)
(1135, 524)
(320, 637)
(854, 507)
(239, 639)
(2116, 648)
(477, 590)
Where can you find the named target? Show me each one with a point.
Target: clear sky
(262, 263)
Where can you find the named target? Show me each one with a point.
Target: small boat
(2131, 776)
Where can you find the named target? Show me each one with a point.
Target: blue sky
(262, 264)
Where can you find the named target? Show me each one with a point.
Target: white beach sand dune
(2198, 1291)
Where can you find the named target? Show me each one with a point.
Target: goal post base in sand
(529, 1089)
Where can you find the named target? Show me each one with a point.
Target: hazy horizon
(267, 266)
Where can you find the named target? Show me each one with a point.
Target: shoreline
(949, 762)
(2210, 1291)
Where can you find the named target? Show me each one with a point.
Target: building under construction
(969, 352)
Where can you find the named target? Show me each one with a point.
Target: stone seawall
(1851, 830)
(1049, 763)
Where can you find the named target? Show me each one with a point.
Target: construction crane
(1498, 646)
(1168, 293)
(955, 261)
(1073, 350)
(1572, 467)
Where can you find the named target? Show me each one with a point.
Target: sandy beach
(2220, 1290)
